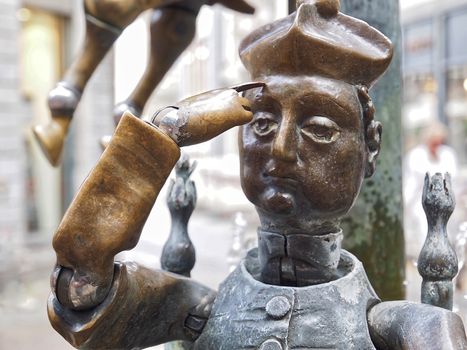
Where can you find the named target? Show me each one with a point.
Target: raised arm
(109, 212)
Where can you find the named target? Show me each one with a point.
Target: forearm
(401, 325)
(110, 209)
(143, 308)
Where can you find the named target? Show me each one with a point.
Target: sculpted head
(313, 138)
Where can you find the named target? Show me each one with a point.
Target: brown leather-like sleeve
(112, 205)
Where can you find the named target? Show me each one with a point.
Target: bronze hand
(205, 116)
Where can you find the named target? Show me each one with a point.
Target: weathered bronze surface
(305, 148)
(173, 26)
(410, 326)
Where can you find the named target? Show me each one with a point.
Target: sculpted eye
(321, 129)
(263, 124)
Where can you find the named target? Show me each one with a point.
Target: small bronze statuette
(437, 263)
(178, 255)
(307, 141)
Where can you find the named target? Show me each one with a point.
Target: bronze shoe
(51, 138)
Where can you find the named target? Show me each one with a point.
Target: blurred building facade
(434, 103)
(435, 69)
(435, 91)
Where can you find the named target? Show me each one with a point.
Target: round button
(271, 344)
(278, 307)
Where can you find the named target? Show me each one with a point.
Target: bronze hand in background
(172, 30)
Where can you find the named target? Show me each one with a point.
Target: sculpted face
(303, 156)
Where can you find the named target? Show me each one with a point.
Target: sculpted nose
(284, 146)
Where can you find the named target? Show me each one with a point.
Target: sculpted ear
(373, 144)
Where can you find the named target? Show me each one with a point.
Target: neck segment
(298, 259)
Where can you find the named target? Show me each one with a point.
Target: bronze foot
(51, 138)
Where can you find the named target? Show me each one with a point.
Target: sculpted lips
(275, 175)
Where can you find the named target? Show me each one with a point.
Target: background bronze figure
(437, 263)
(309, 139)
(173, 26)
(178, 254)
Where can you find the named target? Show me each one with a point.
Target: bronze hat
(318, 40)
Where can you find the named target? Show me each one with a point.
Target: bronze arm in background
(173, 25)
(172, 30)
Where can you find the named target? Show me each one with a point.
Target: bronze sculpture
(305, 148)
(178, 254)
(173, 26)
(437, 263)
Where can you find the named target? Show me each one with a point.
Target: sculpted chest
(248, 314)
